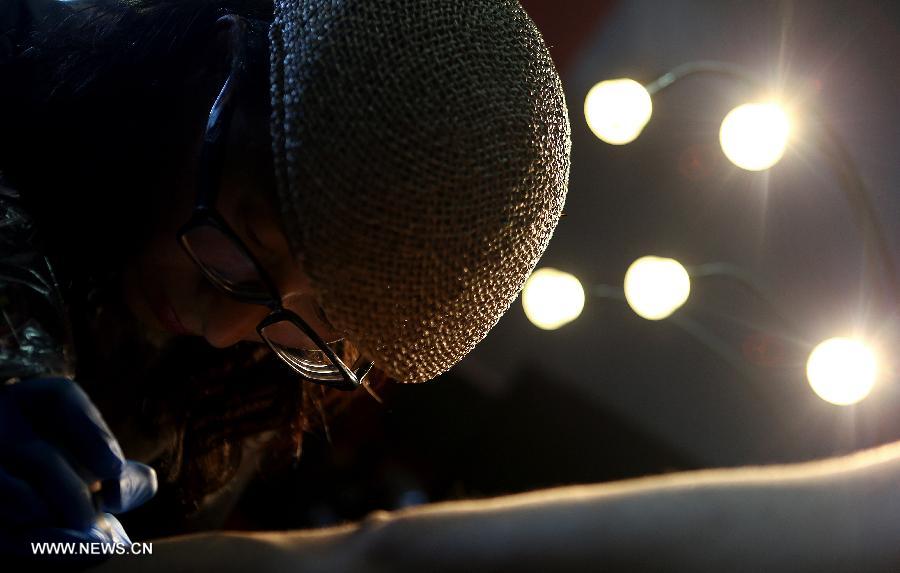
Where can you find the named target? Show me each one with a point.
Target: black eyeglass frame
(210, 168)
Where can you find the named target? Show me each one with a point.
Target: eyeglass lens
(314, 363)
(229, 266)
(226, 263)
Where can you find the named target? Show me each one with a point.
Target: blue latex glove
(54, 449)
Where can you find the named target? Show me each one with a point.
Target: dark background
(613, 396)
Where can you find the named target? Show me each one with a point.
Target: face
(169, 294)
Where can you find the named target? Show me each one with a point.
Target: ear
(222, 52)
(230, 41)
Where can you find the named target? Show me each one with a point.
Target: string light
(552, 298)
(842, 371)
(617, 110)
(754, 135)
(655, 287)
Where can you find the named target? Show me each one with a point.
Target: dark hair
(107, 97)
(103, 107)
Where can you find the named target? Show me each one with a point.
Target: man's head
(422, 157)
(421, 154)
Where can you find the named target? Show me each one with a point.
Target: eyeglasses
(232, 268)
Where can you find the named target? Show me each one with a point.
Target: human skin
(841, 514)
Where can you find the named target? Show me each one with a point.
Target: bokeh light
(842, 370)
(617, 110)
(754, 135)
(655, 287)
(552, 298)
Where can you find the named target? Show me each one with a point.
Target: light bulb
(617, 110)
(552, 298)
(754, 135)
(842, 370)
(655, 287)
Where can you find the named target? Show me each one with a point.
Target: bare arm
(841, 514)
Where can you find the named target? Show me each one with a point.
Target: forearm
(309, 551)
(838, 515)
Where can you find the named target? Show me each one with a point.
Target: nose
(229, 322)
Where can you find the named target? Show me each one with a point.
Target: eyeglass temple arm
(212, 154)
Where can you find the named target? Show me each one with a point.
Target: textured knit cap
(422, 156)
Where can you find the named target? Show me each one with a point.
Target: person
(353, 186)
(360, 188)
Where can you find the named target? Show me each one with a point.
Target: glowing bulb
(552, 298)
(755, 135)
(842, 370)
(617, 110)
(656, 287)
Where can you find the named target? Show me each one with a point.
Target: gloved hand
(61, 469)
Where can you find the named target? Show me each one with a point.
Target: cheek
(165, 260)
(166, 270)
